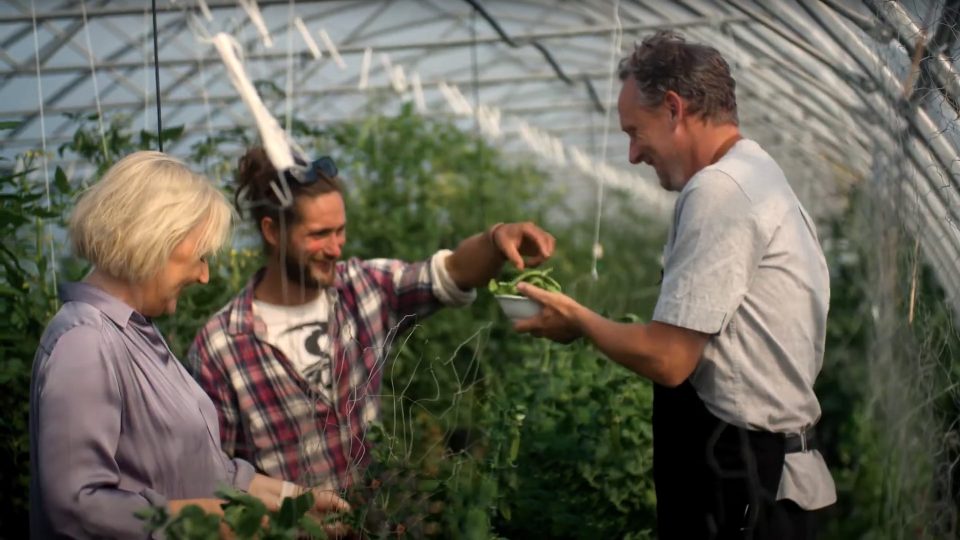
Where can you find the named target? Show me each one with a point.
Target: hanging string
(156, 74)
(203, 38)
(146, 69)
(290, 86)
(205, 94)
(597, 250)
(476, 107)
(289, 129)
(43, 143)
(93, 73)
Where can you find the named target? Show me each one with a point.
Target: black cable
(543, 50)
(156, 70)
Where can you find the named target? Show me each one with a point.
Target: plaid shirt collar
(243, 321)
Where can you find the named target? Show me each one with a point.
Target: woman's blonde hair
(129, 222)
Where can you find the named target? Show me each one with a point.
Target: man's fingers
(526, 325)
(334, 529)
(535, 260)
(328, 501)
(510, 252)
(543, 241)
(533, 292)
(546, 242)
(337, 530)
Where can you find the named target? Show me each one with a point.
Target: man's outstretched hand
(523, 243)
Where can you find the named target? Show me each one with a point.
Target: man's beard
(299, 272)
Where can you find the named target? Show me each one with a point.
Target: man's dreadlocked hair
(254, 174)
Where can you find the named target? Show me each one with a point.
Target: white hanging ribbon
(253, 11)
(418, 93)
(205, 9)
(365, 69)
(332, 49)
(311, 43)
(279, 146)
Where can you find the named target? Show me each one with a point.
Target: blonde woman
(116, 422)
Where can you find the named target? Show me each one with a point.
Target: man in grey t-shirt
(736, 341)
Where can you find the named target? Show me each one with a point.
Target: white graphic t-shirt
(301, 334)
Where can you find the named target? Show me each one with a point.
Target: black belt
(800, 442)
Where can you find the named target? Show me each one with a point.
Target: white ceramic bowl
(518, 307)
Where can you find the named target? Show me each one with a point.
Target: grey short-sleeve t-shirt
(743, 263)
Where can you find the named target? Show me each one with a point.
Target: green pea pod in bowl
(514, 305)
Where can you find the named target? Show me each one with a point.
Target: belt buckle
(803, 441)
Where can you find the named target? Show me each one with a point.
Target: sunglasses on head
(324, 167)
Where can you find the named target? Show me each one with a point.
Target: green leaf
(60, 180)
(504, 507)
(428, 486)
(12, 219)
(9, 124)
(18, 174)
(312, 527)
(293, 508)
(244, 520)
(171, 133)
(514, 449)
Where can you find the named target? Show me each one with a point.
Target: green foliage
(116, 141)
(579, 463)
(444, 397)
(889, 386)
(28, 273)
(417, 186)
(245, 516)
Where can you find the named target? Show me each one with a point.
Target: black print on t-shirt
(311, 343)
(318, 370)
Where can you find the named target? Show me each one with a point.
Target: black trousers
(717, 481)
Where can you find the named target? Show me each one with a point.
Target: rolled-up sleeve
(79, 418)
(444, 287)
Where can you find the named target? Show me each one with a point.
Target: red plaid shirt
(274, 418)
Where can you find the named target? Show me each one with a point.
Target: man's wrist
(289, 489)
(580, 315)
